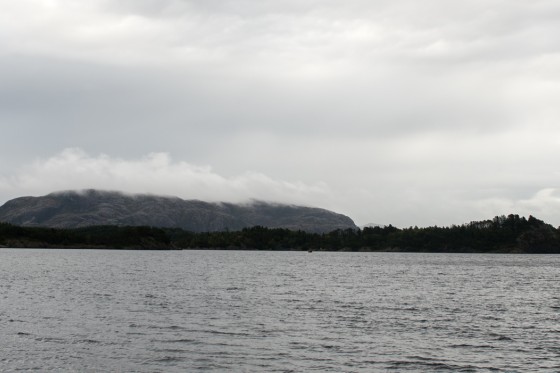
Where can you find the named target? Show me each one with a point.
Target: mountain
(372, 225)
(73, 209)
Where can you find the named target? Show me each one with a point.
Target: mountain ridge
(90, 207)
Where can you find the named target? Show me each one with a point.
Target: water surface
(245, 311)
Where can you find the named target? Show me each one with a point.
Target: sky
(400, 112)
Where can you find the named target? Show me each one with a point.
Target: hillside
(75, 209)
(511, 234)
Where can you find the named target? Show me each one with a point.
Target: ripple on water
(278, 312)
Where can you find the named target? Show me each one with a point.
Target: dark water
(71, 310)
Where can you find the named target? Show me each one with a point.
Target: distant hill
(372, 225)
(75, 209)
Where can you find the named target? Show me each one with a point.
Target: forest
(502, 234)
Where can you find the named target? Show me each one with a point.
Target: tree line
(510, 233)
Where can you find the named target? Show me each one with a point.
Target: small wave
(429, 365)
(504, 338)
(466, 345)
(172, 327)
(460, 345)
(171, 350)
(51, 339)
(135, 333)
(180, 340)
(102, 295)
(164, 327)
(489, 317)
(234, 334)
(404, 308)
(167, 359)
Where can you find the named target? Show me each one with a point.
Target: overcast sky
(390, 111)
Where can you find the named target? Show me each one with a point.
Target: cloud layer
(400, 111)
(410, 200)
(155, 173)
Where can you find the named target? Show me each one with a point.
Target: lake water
(246, 311)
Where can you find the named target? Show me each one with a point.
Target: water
(244, 311)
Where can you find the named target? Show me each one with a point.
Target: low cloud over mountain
(73, 209)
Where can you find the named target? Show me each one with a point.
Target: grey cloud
(401, 101)
(153, 173)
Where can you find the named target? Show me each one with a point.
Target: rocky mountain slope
(73, 209)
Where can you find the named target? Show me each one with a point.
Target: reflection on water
(148, 311)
